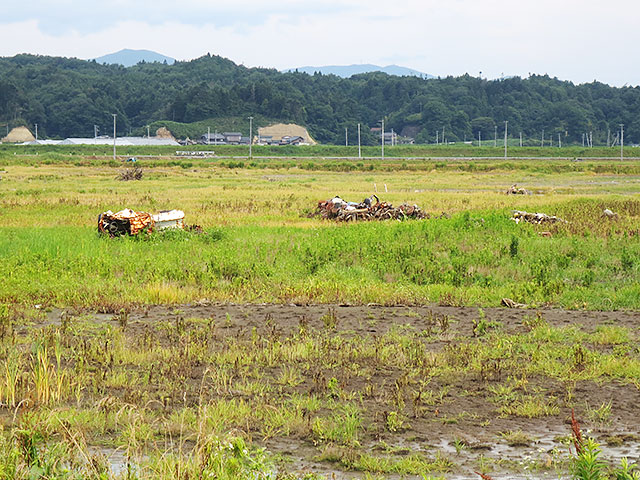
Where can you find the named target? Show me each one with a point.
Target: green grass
(260, 246)
(466, 257)
(183, 396)
(408, 153)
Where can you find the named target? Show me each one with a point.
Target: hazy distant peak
(345, 71)
(128, 58)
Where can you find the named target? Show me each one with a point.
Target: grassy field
(52, 153)
(155, 350)
(260, 246)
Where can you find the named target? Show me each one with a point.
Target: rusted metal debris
(130, 222)
(535, 218)
(515, 190)
(370, 208)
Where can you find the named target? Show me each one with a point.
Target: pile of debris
(515, 190)
(132, 173)
(130, 222)
(370, 208)
(535, 218)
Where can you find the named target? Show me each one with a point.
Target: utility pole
(559, 142)
(608, 137)
(591, 139)
(95, 131)
(479, 138)
(36, 132)
(506, 123)
(443, 134)
(148, 135)
(622, 141)
(250, 136)
(495, 136)
(520, 138)
(359, 148)
(382, 138)
(583, 140)
(114, 135)
(208, 135)
(346, 137)
(437, 142)
(542, 141)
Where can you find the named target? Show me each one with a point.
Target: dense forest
(67, 97)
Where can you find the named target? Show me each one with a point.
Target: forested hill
(67, 97)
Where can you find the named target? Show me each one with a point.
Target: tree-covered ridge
(67, 97)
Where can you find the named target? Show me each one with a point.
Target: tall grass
(468, 257)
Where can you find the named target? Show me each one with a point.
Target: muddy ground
(468, 418)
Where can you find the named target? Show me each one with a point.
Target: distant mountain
(345, 71)
(129, 58)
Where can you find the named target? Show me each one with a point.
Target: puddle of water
(116, 459)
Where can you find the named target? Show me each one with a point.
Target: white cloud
(572, 39)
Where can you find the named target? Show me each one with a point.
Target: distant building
(292, 140)
(44, 142)
(226, 138)
(390, 138)
(233, 138)
(120, 141)
(213, 139)
(265, 140)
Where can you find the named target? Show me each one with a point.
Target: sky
(576, 40)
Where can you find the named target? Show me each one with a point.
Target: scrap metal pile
(535, 218)
(129, 222)
(370, 208)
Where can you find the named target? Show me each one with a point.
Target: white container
(169, 219)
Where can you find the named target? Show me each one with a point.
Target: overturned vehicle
(130, 222)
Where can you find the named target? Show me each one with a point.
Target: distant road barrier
(184, 153)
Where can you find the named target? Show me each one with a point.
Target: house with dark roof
(265, 140)
(232, 138)
(213, 139)
(291, 140)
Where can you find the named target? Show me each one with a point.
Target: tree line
(67, 97)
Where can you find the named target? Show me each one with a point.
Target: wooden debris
(130, 173)
(507, 302)
(369, 209)
(515, 190)
(535, 218)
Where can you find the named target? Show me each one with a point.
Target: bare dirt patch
(461, 420)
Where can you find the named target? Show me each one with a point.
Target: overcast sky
(577, 40)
